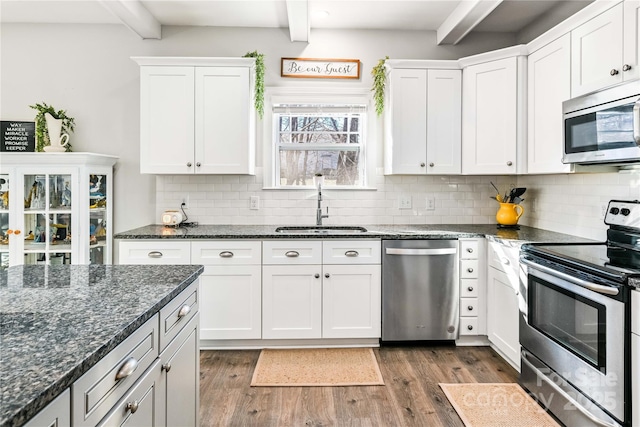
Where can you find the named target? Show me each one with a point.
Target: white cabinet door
(351, 305)
(503, 312)
(444, 121)
(489, 117)
(231, 302)
(549, 84)
(55, 414)
(635, 377)
(406, 138)
(631, 54)
(224, 121)
(166, 119)
(291, 301)
(596, 52)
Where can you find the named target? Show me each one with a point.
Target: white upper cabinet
(423, 118)
(197, 115)
(604, 50)
(631, 53)
(549, 84)
(493, 116)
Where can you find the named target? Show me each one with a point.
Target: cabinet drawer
(226, 252)
(98, 390)
(469, 288)
(468, 326)
(154, 252)
(351, 252)
(469, 269)
(177, 313)
(502, 257)
(469, 249)
(292, 252)
(468, 307)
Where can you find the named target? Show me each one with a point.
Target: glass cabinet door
(4, 221)
(47, 219)
(98, 219)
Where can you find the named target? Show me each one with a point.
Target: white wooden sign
(310, 68)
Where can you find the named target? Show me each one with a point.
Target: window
(312, 139)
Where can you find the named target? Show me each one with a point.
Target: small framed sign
(17, 137)
(309, 68)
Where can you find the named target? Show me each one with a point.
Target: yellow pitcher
(509, 213)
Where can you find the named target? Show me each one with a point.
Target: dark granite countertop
(56, 322)
(438, 231)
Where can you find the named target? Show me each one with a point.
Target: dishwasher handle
(421, 252)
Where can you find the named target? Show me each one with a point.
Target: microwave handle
(636, 122)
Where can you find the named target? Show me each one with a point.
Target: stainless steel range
(575, 322)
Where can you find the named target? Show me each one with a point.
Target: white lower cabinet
(502, 302)
(472, 290)
(292, 301)
(55, 414)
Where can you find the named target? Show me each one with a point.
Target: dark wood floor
(411, 395)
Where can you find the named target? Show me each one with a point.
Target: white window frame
(329, 96)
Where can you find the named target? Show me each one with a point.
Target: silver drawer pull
(184, 310)
(155, 254)
(127, 368)
(470, 308)
(470, 250)
(470, 288)
(292, 254)
(166, 367)
(470, 327)
(470, 270)
(226, 254)
(351, 253)
(132, 406)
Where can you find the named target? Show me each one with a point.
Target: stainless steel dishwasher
(420, 291)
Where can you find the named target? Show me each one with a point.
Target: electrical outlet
(431, 203)
(534, 206)
(404, 201)
(254, 203)
(185, 202)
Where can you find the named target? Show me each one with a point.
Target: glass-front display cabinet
(56, 208)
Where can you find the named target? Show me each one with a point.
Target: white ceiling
(508, 16)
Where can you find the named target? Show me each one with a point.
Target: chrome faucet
(319, 215)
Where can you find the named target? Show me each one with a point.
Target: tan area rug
(317, 367)
(496, 405)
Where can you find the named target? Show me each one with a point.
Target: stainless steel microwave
(603, 126)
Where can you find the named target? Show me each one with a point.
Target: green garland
(259, 91)
(42, 134)
(379, 74)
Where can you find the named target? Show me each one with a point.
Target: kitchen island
(58, 322)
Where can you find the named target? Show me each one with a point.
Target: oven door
(576, 329)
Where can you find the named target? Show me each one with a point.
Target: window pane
(297, 167)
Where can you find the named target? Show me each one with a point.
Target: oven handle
(636, 121)
(563, 393)
(591, 286)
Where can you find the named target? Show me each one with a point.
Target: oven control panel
(624, 213)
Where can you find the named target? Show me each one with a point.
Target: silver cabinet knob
(626, 67)
(613, 72)
(327, 275)
(127, 368)
(470, 308)
(470, 327)
(509, 163)
(470, 270)
(422, 165)
(470, 250)
(198, 164)
(226, 254)
(132, 406)
(292, 254)
(317, 276)
(470, 288)
(166, 367)
(188, 164)
(184, 310)
(432, 164)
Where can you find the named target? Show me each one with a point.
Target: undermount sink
(319, 229)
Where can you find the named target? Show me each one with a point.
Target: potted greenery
(379, 74)
(42, 134)
(259, 91)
